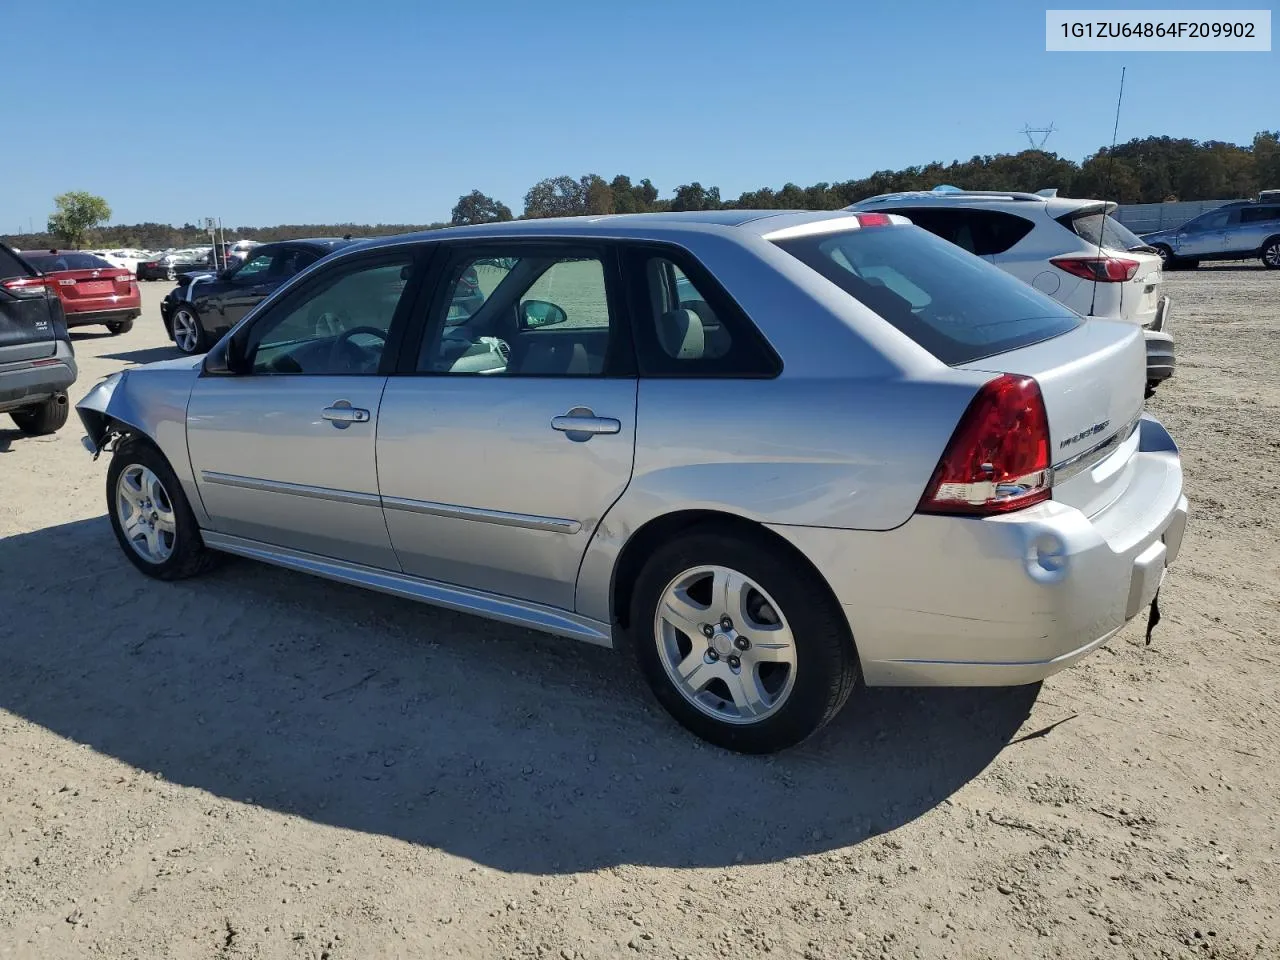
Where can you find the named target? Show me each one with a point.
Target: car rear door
(1257, 225)
(511, 430)
(27, 312)
(283, 448)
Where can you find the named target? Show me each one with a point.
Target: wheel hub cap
(725, 644)
(146, 513)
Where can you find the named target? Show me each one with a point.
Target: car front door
(512, 430)
(1202, 237)
(282, 446)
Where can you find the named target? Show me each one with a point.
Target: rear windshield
(1097, 228)
(53, 262)
(955, 305)
(11, 266)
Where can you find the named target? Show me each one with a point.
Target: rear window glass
(11, 266)
(955, 305)
(1100, 229)
(53, 262)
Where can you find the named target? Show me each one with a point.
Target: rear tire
(150, 515)
(186, 330)
(1271, 254)
(119, 327)
(768, 680)
(43, 418)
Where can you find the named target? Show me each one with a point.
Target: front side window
(512, 313)
(339, 327)
(957, 307)
(255, 269)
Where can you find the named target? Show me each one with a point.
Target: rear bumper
(953, 601)
(117, 315)
(30, 382)
(1160, 353)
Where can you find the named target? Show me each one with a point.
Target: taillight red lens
(998, 458)
(25, 286)
(1105, 269)
(874, 220)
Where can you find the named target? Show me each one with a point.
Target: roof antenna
(1111, 162)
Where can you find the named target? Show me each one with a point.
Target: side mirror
(225, 359)
(540, 313)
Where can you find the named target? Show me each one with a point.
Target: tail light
(26, 286)
(1105, 269)
(998, 458)
(873, 220)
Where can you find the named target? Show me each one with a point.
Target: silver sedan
(767, 454)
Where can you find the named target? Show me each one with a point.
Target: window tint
(687, 326)
(981, 232)
(294, 261)
(53, 262)
(254, 269)
(11, 265)
(514, 315)
(340, 327)
(1100, 229)
(956, 307)
(1259, 214)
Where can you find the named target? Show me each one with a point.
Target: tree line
(1147, 170)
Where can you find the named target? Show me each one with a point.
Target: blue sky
(387, 110)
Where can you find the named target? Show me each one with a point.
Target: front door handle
(581, 423)
(342, 414)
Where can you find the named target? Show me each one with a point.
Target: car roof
(632, 226)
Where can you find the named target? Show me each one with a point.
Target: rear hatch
(973, 316)
(82, 281)
(1126, 258)
(1092, 381)
(27, 315)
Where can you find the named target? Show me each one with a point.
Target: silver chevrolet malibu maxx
(767, 453)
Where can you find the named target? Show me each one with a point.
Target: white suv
(1073, 250)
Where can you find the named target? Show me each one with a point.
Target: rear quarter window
(951, 303)
(11, 266)
(1097, 228)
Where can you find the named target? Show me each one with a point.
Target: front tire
(744, 647)
(43, 418)
(119, 327)
(1271, 254)
(150, 514)
(188, 334)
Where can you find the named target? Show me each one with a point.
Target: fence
(1149, 217)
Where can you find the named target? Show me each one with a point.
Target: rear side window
(1259, 214)
(11, 266)
(687, 325)
(53, 262)
(956, 306)
(1099, 229)
(981, 232)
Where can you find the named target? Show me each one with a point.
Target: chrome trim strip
(1080, 462)
(293, 489)
(500, 517)
(520, 613)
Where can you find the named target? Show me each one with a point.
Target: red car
(91, 290)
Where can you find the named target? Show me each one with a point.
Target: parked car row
(770, 454)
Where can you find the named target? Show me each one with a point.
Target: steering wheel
(344, 354)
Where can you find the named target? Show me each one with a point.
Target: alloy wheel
(1271, 255)
(725, 644)
(146, 514)
(186, 332)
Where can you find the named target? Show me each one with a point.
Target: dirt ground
(259, 764)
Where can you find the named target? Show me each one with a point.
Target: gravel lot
(259, 764)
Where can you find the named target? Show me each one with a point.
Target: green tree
(77, 213)
(694, 196)
(556, 197)
(476, 207)
(597, 195)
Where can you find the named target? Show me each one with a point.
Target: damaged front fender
(95, 412)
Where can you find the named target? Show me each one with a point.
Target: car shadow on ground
(146, 355)
(513, 750)
(7, 437)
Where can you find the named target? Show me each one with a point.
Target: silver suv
(1237, 231)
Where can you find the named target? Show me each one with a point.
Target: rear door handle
(342, 414)
(581, 423)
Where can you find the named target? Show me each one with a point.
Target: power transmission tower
(1038, 136)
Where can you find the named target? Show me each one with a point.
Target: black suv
(37, 363)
